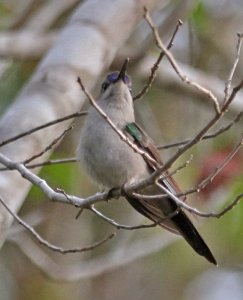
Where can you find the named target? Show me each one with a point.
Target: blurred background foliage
(206, 42)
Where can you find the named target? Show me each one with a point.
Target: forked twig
(176, 67)
(156, 65)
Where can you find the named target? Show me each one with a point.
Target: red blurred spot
(228, 173)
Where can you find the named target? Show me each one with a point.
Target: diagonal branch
(48, 124)
(206, 128)
(232, 71)
(122, 136)
(207, 136)
(215, 172)
(49, 147)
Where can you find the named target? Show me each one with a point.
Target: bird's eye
(104, 86)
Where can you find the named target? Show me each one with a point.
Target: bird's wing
(144, 142)
(157, 209)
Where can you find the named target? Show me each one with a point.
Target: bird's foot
(113, 193)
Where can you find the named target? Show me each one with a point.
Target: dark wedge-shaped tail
(179, 223)
(191, 235)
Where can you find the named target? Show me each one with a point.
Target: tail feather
(179, 224)
(191, 235)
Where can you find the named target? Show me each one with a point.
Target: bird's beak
(122, 74)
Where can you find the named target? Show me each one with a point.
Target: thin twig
(121, 256)
(53, 162)
(232, 71)
(215, 172)
(49, 245)
(155, 67)
(218, 169)
(48, 163)
(117, 225)
(206, 128)
(176, 67)
(230, 206)
(194, 210)
(54, 122)
(179, 168)
(208, 136)
(49, 147)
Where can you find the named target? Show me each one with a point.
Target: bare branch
(224, 163)
(151, 179)
(216, 171)
(176, 67)
(232, 71)
(50, 193)
(179, 168)
(49, 245)
(49, 147)
(54, 122)
(53, 162)
(36, 180)
(175, 197)
(230, 206)
(96, 266)
(207, 136)
(194, 210)
(200, 186)
(48, 163)
(155, 67)
(117, 225)
(206, 128)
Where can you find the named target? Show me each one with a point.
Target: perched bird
(112, 163)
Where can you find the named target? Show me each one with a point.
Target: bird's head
(117, 86)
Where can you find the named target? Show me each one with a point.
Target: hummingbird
(112, 163)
